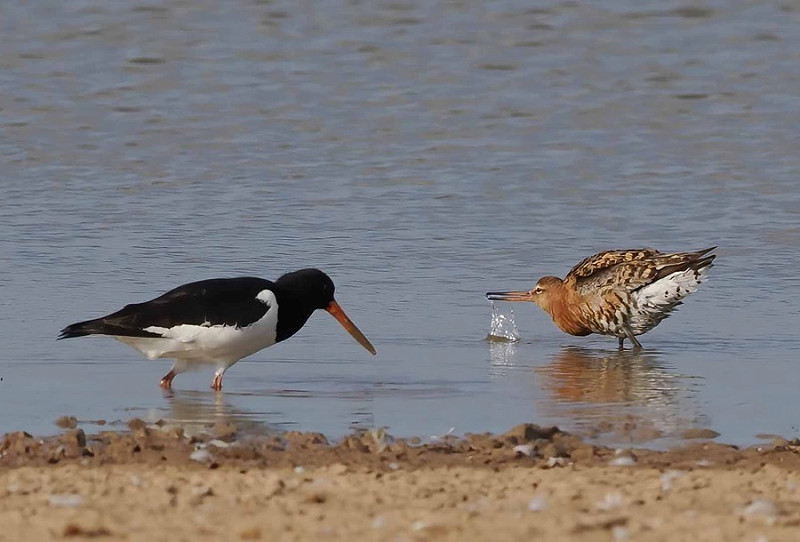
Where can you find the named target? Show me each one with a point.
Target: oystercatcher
(220, 321)
(621, 293)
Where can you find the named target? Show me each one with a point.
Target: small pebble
(622, 461)
(610, 502)
(65, 501)
(218, 443)
(668, 477)
(203, 491)
(524, 449)
(761, 508)
(555, 462)
(201, 456)
(537, 504)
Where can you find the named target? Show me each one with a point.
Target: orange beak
(509, 296)
(337, 312)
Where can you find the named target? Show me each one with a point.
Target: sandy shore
(156, 483)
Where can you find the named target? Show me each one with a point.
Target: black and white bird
(217, 322)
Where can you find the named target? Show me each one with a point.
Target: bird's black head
(302, 292)
(312, 285)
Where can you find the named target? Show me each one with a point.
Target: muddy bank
(524, 445)
(156, 483)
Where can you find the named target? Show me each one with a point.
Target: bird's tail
(107, 325)
(98, 326)
(702, 259)
(699, 261)
(80, 329)
(703, 263)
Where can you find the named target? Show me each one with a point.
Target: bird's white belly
(219, 344)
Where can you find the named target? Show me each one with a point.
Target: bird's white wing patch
(656, 301)
(208, 333)
(184, 333)
(268, 298)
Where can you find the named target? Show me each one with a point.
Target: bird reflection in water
(627, 393)
(582, 375)
(612, 396)
(199, 411)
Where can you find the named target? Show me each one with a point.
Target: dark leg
(166, 382)
(621, 343)
(636, 344)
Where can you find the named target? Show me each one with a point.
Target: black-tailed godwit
(621, 293)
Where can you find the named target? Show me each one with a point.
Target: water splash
(503, 327)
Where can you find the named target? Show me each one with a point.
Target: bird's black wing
(230, 301)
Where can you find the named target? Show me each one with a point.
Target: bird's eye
(538, 290)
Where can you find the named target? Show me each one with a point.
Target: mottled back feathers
(630, 270)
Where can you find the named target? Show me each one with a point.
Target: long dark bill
(509, 296)
(337, 312)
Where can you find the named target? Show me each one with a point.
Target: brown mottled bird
(621, 293)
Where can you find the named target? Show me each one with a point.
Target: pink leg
(166, 382)
(216, 384)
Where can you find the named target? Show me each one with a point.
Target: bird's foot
(216, 384)
(636, 344)
(166, 382)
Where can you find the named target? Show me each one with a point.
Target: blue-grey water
(421, 153)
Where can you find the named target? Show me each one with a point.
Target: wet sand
(155, 482)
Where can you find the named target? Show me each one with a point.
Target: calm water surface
(422, 153)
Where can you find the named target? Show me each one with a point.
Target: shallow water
(422, 154)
